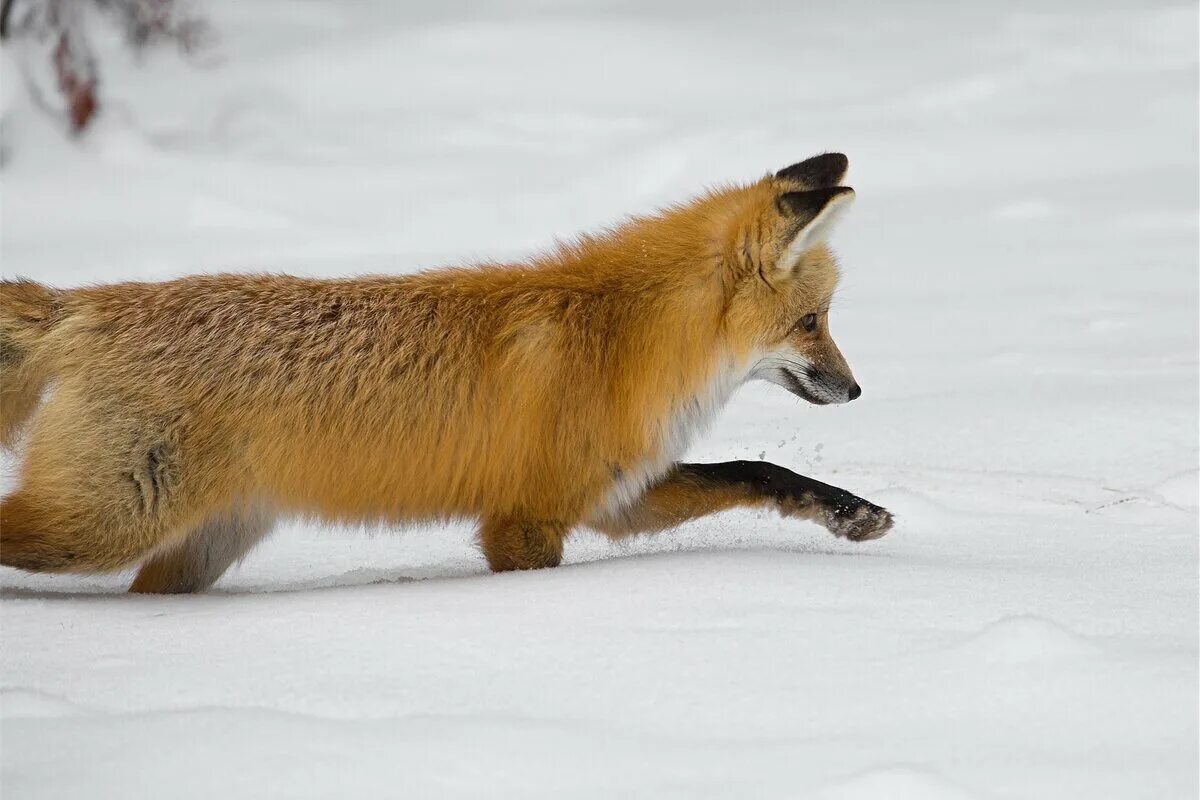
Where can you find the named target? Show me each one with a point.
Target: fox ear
(818, 172)
(811, 217)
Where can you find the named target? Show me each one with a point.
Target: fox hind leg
(196, 562)
(103, 483)
(43, 531)
(30, 539)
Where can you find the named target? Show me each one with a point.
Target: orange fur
(516, 393)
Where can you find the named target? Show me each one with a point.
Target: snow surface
(1019, 304)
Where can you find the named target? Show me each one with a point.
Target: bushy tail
(28, 311)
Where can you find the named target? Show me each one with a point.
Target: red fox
(171, 423)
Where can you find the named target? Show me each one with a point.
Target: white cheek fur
(769, 366)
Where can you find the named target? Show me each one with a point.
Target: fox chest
(670, 438)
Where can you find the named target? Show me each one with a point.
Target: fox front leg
(690, 491)
(512, 543)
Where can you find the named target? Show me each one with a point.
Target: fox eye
(809, 322)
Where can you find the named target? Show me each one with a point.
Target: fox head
(783, 278)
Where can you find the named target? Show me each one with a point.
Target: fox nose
(855, 391)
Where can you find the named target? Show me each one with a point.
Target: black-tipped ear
(818, 172)
(805, 207)
(812, 216)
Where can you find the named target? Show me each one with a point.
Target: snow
(1019, 305)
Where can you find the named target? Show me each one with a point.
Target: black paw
(857, 520)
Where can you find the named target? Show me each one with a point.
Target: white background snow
(1019, 304)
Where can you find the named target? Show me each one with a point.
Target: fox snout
(822, 387)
